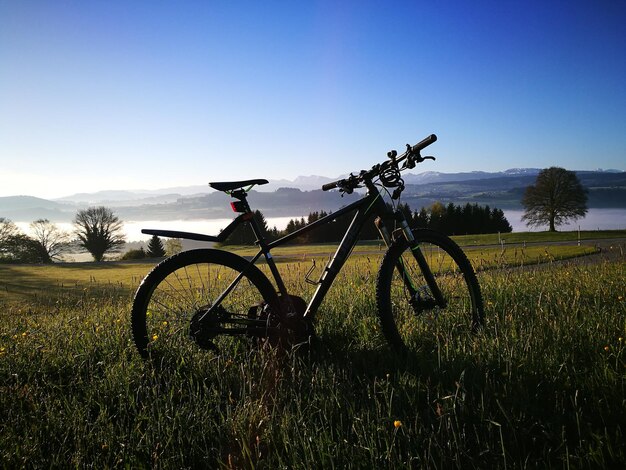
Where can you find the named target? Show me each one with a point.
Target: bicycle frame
(363, 208)
(371, 204)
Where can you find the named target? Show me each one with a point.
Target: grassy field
(537, 237)
(68, 282)
(542, 386)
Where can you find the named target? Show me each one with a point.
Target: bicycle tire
(183, 285)
(401, 317)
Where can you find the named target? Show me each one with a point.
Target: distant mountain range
(607, 188)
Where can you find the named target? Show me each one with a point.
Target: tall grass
(543, 385)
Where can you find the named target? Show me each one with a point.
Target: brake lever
(345, 190)
(419, 159)
(349, 184)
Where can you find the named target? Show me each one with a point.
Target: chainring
(283, 328)
(203, 328)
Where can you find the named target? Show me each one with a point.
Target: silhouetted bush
(133, 254)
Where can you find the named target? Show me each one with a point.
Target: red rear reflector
(238, 206)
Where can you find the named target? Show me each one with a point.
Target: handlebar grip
(424, 143)
(329, 186)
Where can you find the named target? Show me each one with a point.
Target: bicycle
(208, 296)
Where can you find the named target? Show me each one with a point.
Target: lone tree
(15, 247)
(556, 197)
(8, 230)
(155, 248)
(99, 231)
(48, 240)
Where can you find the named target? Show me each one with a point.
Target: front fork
(405, 231)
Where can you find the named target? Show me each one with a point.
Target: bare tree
(8, 232)
(15, 246)
(8, 229)
(49, 241)
(99, 231)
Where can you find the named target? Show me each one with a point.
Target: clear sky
(136, 94)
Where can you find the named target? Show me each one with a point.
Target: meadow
(543, 385)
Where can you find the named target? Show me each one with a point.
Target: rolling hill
(607, 189)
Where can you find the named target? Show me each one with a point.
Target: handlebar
(431, 139)
(329, 186)
(412, 154)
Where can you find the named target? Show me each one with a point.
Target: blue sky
(101, 95)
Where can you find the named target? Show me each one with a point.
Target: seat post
(241, 206)
(238, 193)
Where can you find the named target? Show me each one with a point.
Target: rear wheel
(175, 308)
(408, 306)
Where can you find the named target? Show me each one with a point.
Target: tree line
(330, 232)
(450, 219)
(97, 230)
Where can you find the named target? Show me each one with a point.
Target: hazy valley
(607, 189)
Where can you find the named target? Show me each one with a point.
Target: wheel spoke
(407, 307)
(172, 308)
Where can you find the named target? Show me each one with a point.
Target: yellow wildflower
(397, 423)
(155, 337)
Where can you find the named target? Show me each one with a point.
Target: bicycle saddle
(230, 185)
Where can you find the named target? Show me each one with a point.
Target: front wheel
(430, 281)
(180, 306)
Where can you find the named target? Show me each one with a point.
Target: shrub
(133, 254)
